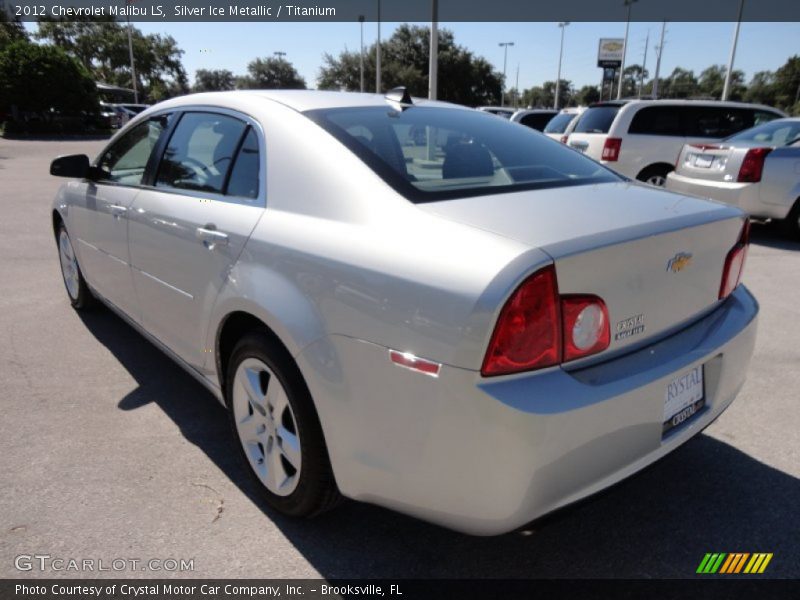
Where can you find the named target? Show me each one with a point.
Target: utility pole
(563, 26)
(659, 52)
(726, 88)
(627, 3)
(378, 54)
(280, 54)
(130, 55)
(644, 63)
(433, 62)
(361, 55)
(505, 46)
(516, 87)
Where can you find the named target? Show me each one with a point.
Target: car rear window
(774, 133)
(558, 124)
(435, 153)
(536, 120)
(597, 119)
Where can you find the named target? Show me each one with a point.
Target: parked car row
(116, 115)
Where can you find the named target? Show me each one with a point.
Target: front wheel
(277, 428)
(80, 296)
(655, 175)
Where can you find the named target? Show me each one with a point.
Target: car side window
(200, 152)
(125, 161)
(763, 116)
(720, 122)
(243, 181)
(658, 120)
(536, 120)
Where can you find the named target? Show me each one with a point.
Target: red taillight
(538, 328)
(734, 262)
(564, 139)
(611, 149)
(528, 332)
(753, 165)
(586, 329)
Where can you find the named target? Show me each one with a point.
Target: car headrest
(467, 160)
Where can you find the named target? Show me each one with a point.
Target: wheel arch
(657, 167)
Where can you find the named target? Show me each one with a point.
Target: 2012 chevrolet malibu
(411, 303)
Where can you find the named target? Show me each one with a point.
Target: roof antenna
(400, 95)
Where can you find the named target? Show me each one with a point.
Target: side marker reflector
(409, 361)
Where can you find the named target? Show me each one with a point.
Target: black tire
(316, 490)
(655, 175)
(790, 226)
(80, 297)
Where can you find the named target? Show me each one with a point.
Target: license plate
(683, 398)
(703, 161)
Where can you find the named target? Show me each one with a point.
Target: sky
(693, 46)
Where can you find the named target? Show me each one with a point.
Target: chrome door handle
(117, 210)
(211, 237)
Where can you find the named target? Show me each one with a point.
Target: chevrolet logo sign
(679, 262)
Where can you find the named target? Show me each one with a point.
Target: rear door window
(597, 119)
(200, 152)
(536, 121)
(659, 120)
(558, 124)
(719, 121)
(243, 181)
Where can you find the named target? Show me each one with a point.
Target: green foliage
(11, 30)
(587, 95)
(543, 96)
(41, 79)
(271, 73)
(101, 45)
(213, 80)
(463, 78)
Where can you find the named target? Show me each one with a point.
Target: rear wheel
(655, 175)
(277, 428)
(791, 224)
(78, 291)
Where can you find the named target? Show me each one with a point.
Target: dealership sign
(609, 54)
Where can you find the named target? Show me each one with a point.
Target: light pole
(133, 67)
(378, 54)
(433, 62)
(726, 88)
(361, 20)
(563, 26)
(659, 52)
(644, 63)
(505, 46)
(624, 48)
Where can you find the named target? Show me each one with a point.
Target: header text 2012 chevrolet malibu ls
(412, 303)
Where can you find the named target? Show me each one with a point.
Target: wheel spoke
(289, 446)
(276, 475)
(276, 399)
(251, 428)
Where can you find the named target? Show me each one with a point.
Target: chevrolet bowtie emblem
(679, 262)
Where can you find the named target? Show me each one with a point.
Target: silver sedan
(411, 303)
(757, 170)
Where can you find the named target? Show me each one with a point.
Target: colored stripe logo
(734, 563)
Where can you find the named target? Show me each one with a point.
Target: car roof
(636, 102)
(299, 100)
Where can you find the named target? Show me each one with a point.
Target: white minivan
(641, 139)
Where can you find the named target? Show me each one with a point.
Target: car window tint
(719, 121)
(429, 153)
(658, 120)
(597, 119)
(243, 181)
(558, 124)
(200, 152)
(126, 160)
(764, 116)
(775, 133)
(536, 120)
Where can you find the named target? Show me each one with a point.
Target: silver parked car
(475, 330)
(757, 170)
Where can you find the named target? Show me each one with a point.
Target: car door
(187, 229)
(102, 206)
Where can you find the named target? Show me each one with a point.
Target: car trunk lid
(712, 162)
(654, 257)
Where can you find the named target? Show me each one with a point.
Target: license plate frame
(703, 161)
(684, 398)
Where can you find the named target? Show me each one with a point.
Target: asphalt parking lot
(110, 451)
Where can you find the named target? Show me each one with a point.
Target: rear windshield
(597, 119)
(558, 124)
(435, 153)
(774, 133)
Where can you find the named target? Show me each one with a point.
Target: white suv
(641, 139)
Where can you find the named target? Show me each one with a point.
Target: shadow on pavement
(771, 236)
(705, 497)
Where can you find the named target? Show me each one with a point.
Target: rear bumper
(486, 456)
(742, 195)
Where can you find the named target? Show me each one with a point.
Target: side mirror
(74, 165)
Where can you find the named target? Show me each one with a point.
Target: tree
(11, 29)
(762, 88)
(213, 80)
(101, 45)
(680, 84)
(587, 95)
(787, 85)
(38, 78)
(630, 80)
(271, 73)
(463, 77)
(712, 82)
